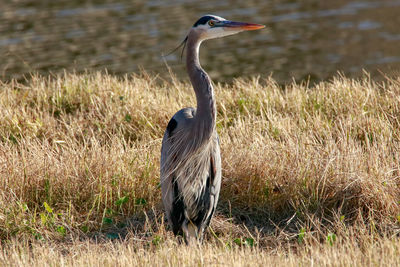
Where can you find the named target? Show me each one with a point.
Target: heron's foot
(191, 233)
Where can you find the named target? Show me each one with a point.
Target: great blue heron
(190, 154)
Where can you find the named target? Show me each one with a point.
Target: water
(307, 39)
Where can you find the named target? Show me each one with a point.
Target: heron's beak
(244, 26)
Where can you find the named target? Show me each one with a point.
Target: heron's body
(191, 190)
(190, 153)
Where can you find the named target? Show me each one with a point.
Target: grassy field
(311, 174)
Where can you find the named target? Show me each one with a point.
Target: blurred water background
(305, 39)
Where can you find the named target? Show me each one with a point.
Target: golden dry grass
(128, 253)
(311, 174)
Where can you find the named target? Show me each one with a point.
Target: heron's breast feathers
(192, 167)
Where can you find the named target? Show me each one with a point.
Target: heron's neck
(206, 111)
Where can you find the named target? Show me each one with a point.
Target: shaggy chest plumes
(191, 175)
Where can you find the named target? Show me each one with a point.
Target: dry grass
(129, 253)
(311, 174)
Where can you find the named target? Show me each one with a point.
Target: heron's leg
(190, 232)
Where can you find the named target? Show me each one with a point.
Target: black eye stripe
(203, 20)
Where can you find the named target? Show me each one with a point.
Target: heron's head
(211, 26)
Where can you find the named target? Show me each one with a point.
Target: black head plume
(183, 49)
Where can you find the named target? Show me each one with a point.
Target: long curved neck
(204, 121)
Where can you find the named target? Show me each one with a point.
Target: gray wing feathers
(166, 180)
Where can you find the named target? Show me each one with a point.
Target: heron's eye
(211, 23)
